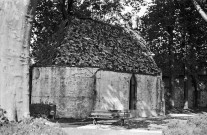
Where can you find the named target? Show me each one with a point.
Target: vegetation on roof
(90, 43)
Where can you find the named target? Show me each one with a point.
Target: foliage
(188, 30)
(31, 126)
(193, 126)
(46, 22)
(176, 33)
(49, 44)
(50, 21)
(112, 12)
(3, 118)
(90, 43)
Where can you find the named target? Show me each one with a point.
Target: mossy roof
(90, 43)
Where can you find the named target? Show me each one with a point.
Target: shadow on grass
(143, 123)
(187, 111)
(71, 122)
(133, 123)
(129, 124)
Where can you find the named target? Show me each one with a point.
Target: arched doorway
(133, 93)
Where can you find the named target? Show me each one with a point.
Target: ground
(177, 122)
(141, 126)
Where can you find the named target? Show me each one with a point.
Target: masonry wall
(112, 90)
(71, 89)
(78, 91)
(150, 96)
(113, 93)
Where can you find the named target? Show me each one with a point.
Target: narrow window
(133, 93)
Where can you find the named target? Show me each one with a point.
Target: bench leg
(94, 121)
(122, 122)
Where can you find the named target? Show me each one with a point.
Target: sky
(142, 10)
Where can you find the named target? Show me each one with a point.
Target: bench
(110, 114)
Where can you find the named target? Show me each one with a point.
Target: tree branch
(200, 10)
(70, 6)
(63, 9)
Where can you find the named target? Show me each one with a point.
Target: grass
(193, 126)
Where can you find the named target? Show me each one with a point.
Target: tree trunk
(171, 64)
(194, 81)
(15, 31)
(185, 87)
(200, 10)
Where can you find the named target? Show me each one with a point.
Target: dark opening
(133, 93)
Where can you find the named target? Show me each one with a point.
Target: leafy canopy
(52, 16)
(180, 21)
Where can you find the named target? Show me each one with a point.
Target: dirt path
(139, 126)
(104, 130)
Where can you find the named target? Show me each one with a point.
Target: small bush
(193, 126)
(3, 118)
(38, 126)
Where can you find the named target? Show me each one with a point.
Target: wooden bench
(111, 114)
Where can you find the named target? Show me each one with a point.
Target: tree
(200, 10)
(199, 5)
(15, 27)
(52, 16)
(159, 26)
(180, 21)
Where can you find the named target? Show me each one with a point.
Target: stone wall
(113, 93)
(78, 91)
(112, 90)
(150, 98)
(71, 89)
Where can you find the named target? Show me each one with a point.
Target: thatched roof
(89, 43)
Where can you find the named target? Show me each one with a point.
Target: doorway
(133, 93)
